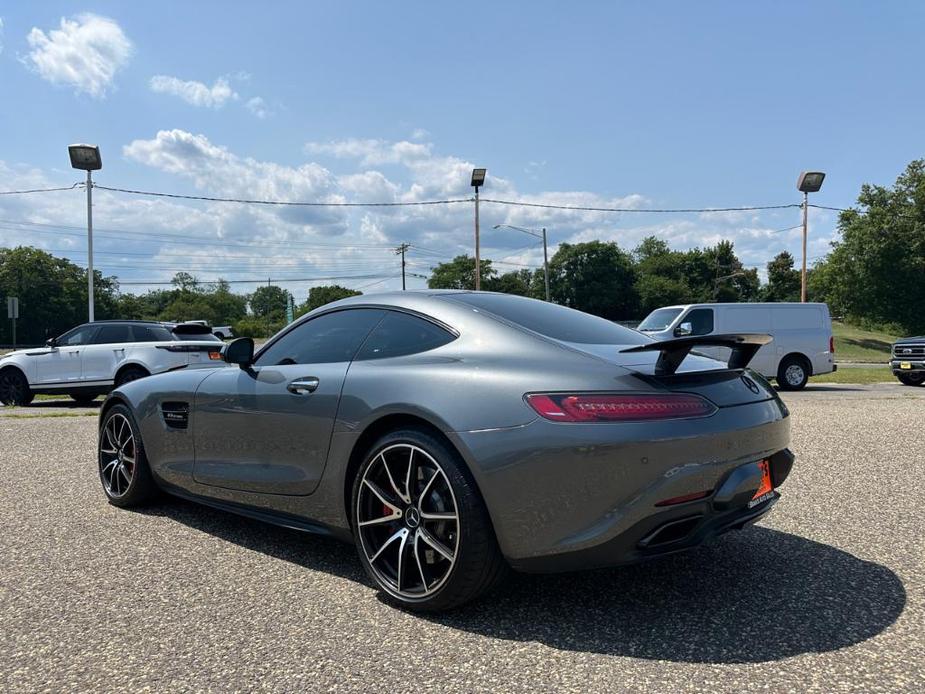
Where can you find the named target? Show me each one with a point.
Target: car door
(61, 364)
(101, 358)
(267, 428)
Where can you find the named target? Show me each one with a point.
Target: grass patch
(855, 344)
(862, 374)
(19, 414)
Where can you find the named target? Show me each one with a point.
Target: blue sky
(626, 104)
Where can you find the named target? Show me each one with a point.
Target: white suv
(94, 358)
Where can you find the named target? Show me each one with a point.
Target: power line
(38, 190)
(551, 206)
(246, 201)
(260, 281)
(455, 201)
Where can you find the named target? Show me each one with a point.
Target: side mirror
(52, 342)
(684, 329)
(239, 351)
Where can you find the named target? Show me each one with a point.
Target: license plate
(766, 489)
(905, 365)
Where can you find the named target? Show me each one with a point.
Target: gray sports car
(451, 435)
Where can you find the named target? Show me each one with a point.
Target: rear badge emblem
(751, 385)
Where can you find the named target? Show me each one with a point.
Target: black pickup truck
(908, 360)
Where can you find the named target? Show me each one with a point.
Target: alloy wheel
(11, 387)
(117, 455)
(408, 521)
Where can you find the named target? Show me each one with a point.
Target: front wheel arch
(14, 368)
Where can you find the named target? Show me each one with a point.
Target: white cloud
(288, 242)
(85, 53)
(258, 107)
(193, 92)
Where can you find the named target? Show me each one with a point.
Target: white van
(803, 345)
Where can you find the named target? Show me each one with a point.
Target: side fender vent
(176, 414)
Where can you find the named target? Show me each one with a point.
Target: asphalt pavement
(826, 594)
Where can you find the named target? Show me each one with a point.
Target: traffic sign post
(12, 312)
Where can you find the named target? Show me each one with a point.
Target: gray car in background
(451, 435)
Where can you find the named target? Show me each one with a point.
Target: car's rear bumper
(592, 490)
(673, 530)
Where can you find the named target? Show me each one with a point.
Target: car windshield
(659, 319)
(551, 320)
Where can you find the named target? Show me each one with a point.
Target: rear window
(151, 333)
(557, 322)
(400, 334)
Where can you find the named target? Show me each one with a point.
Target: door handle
(303, 386)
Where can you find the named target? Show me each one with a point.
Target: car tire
(132, 373)
(220, 336)
(14, 388)
(916, 379)
(123, 466)
(428, 545)
(793, 373)
(83, 398)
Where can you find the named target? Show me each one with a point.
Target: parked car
(93, 358)
(803, 344)
(908, 360)
(451, 434)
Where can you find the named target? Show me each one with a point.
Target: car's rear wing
(672, 352)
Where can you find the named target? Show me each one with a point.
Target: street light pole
(478, 178)
(808, 182)
(90, 296)
(805, 234)
(87, 158)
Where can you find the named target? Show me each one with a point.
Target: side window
(701, 320)
(399, 334)
(112, 334)
(77, 336)
(332, 337)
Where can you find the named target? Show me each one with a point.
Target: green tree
(874, 273)
(661, 279)
(595, 277)
(459, 273)
(325, 294)
(52, 294)
(516, 282)
(783, 281)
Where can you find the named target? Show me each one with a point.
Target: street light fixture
(539, 235)
(87, 158)
(808, 182)
(478, 180)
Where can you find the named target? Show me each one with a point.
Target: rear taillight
(604, 407)
(832, 344)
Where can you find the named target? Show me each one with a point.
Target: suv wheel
(914, 379)
(420, 525)
(792, 374)
(14, 388)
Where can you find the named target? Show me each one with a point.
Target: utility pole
(546, 264)
(401, 250)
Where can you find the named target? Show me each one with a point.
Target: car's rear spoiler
(672, 352)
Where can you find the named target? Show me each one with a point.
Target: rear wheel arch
(806, 361)
(791, 359)
(379, 428)
(125, 368)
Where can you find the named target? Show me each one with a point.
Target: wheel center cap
(412, 517)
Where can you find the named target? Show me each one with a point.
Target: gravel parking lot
(827, 594)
